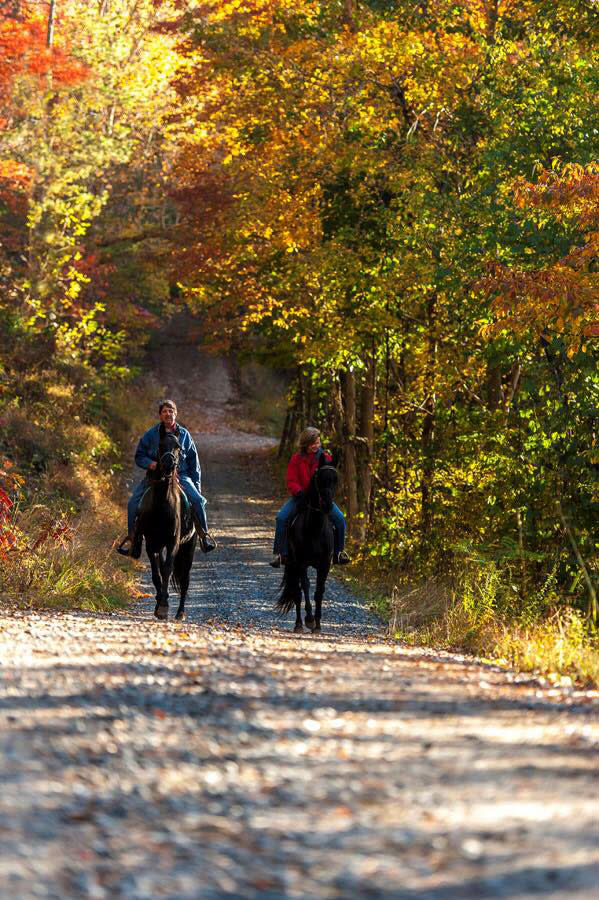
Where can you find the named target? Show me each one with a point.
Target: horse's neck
(167, 491)
(174, 492)
(314, 513)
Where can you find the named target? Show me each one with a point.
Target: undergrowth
(65, 438)
(481, 611)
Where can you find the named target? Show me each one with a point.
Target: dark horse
(166, 523)
(310, 544)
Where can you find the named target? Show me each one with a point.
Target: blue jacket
(189, 464)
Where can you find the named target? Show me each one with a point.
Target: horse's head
(325, 483)
(169, 451)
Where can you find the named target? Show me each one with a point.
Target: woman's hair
(307, 437)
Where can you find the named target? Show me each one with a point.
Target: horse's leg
(182, 567)
(298, 602)
(156, 579)
(159, 611)
(321, 578)
(183, 587)
(167, 571)
(182, 580)
(309, 618)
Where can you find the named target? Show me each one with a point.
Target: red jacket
(300, 469)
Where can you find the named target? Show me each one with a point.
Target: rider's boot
(207, 542)
(134, 540)
(277, 561)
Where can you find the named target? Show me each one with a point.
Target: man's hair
(307, 437)
(164, 403)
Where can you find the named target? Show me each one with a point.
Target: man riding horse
(146, 457)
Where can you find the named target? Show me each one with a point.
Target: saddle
(187, 524)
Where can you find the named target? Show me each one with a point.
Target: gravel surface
(227, 757)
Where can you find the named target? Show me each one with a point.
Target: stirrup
(342, 559)
(207, 542)
(125, 551)
(278, 561)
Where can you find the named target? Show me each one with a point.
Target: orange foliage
(9, 484)
(23, 50)
(561, 298)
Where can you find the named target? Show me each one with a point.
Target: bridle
(315, 477)
(162, 456)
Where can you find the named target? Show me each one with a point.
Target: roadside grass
(470, 614)
(564, 647)
(71, 455)
(72, 577)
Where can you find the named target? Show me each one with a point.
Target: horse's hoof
(316, 627)
(310, 621)
(181, 616)
(161, 612)
(299, 629)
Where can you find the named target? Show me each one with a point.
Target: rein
(160, 458)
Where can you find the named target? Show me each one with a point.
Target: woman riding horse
(146, 457)
(299, 472)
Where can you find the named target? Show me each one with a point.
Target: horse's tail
(182, 564)
(290, 589)
(176, 577)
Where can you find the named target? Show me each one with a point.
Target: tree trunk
(364, 448)
(348, 388)
(51, 23)
(301, 393)
(386, 412)
(494, 388)
(349, 15)
(492, 17)
(428, 425)
(592, 607)
(284, 434)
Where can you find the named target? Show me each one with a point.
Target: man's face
(168, 416)
(314, 446)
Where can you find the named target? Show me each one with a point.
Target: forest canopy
(396, 202)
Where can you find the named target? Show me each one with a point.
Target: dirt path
(227, 757)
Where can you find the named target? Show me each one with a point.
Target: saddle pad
(187, 526)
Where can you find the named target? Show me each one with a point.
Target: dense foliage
(396, 201)
(399, 199)
(84, 95)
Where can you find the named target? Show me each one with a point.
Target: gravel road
(227, 757)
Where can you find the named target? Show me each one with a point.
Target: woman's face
(314, 446)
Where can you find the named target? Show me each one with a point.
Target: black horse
(310, 544)
(165, 521)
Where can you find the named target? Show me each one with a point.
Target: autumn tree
(362, 195)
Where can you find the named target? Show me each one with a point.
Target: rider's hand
(152, 465)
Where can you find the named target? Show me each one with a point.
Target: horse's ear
(335, 455)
